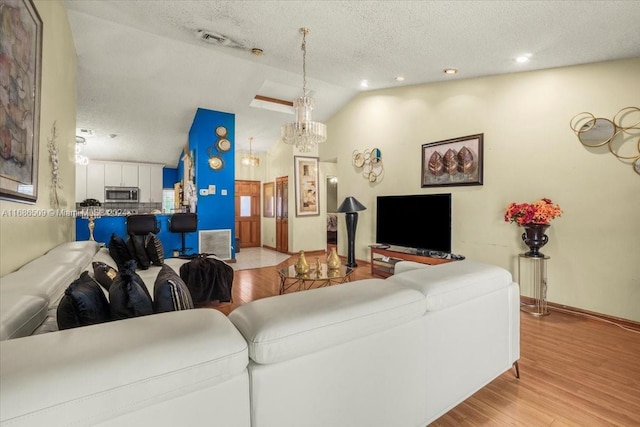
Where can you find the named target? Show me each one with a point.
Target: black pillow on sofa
(138, 251)
(83, 303)
(128, 295)
(103, 273)
(119, 251)
(154, 248)
(170, 293)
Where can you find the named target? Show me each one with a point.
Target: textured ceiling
(142, 72)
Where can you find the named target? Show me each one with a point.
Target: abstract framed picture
(306, 182)
(456, 161)
(20, 67)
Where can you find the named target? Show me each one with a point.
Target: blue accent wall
(216, 211)
(169, 177)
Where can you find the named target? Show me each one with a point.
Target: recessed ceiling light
(523, 58)
(364, 83)
(450, 71)
(399, 78)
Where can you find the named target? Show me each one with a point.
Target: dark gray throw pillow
(169, 292)
(138, 251)
(119, 251)
(128, 295)
(154, 248)
(103, 273)
(83, 303)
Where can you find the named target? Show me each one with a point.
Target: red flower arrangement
(539, 212)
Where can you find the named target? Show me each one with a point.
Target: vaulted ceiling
(143, 68)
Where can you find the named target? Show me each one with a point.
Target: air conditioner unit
(215, 242)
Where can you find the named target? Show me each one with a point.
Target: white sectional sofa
(375, 352)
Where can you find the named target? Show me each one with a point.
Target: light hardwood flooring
(574, 371)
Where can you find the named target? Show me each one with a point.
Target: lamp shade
(350, 204)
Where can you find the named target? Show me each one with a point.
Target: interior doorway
(282, 214)
(247, 206)
(332, 208)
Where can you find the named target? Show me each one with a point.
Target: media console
(384, 258)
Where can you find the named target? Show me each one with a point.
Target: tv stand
(385, 257)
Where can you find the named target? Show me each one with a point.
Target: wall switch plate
(204, 192)
(223, 192)
(212, 189)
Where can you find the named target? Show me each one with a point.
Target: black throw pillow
(119, 251)
(83, 303)
(128, 295)
(170, 293)
(138, 251)
(103, 273)
(154, 248)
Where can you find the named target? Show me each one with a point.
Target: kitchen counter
(115, 223)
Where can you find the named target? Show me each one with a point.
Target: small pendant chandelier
(250, 160)
(304, 133)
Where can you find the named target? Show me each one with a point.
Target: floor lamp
(350, 207)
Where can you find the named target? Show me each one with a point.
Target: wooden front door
(282, 214)
(247, 205)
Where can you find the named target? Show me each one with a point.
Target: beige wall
(24, 238)
(529, 152)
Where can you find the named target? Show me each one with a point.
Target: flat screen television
(420, 221)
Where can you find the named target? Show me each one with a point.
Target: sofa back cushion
(453, 283)
(83, 304)
(292, 325)
(128, 295)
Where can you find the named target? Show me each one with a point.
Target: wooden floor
(574, 371)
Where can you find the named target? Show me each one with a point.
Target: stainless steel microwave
(121, 194)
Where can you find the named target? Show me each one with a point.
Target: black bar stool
(183, 223)
(141, 225)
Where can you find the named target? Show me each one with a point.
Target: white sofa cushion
(20, 314)
(288, 326)
(131, 364)
(47, 281)
(452, 283)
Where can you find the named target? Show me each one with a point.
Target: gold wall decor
(618, 134)
(371, 163)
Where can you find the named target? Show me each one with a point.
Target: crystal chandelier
(250, 160)
(304, 133)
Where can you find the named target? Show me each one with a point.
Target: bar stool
(141, 225)
(183, 223)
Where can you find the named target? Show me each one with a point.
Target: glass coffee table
(290, 281)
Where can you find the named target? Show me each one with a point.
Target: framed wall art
(306, 182)
(21, 27)
(268, 200)
(456, 161)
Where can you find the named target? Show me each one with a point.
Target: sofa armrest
(85, 375)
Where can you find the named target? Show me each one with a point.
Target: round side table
(538, 277)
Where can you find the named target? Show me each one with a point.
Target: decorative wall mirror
(618, 134)
(596, 132)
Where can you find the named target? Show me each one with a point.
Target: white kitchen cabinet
(95, 181)
(121, 174)
(150, 183)
(81, 183)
